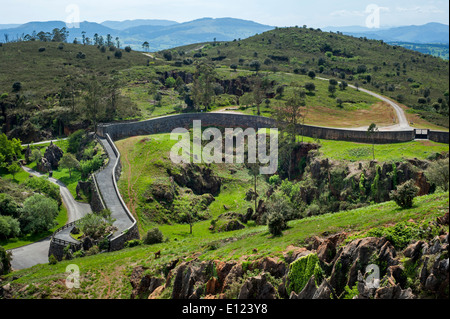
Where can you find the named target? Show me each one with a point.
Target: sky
(313, 13)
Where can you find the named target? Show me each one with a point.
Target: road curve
(37, 253)
(403, 124)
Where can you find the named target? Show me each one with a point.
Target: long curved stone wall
(167, 123)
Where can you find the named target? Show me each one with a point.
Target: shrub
(9, 227)
(118, 54)
(133, 243)
(5, 261)
(276, 224)
(52, 260)
(38, 214)
(153, 236)
(81, 55)
(17, 86)
(128, 49)
(44, 186)
(275, 180)
(93, 225)
(94, 250)
(438, 174)
(74, 141)
(8, 205)
(405, 193)
(41, 49)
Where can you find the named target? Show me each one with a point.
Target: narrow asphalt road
(108, 191)
(37, 253)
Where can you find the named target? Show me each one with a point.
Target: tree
(311, 87)
(9, 149)
(146, 46)
(332, 89)
(312, 74)
(94, 101)
(38, 214)
(13, 169)
(70, 162)
(118, 42)
(259, 88)
(95, 225)
(17, 86)
(234, 67)
(370, 132)
(276, 223)
(438, 174)
(339, 102)
(255, 65)
(405, 193)
(203, 86)
(35, 156)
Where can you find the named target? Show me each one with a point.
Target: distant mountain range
(427, 33)
(165, 34)
(161, 34)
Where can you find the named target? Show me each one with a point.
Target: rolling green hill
(414, 79)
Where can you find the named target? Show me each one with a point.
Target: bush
(118, 54)
(275, 180)
(438, 174)
(9, 227)
(128, 49)
(52, 260)
(93, 225)
(44, 186)
(133, 243)
(405, 193)
(153, 236)
(74, 141)
(5, 261)
(94, 250)
(276, 224)
(8, 206)
(17, 86)
(38, 214)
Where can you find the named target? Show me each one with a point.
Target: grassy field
(107, 275)
(350, 151)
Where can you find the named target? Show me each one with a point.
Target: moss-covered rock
(300, 272)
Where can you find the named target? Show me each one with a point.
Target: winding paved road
(107, 189)
(37, 253)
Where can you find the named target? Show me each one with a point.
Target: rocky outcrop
(53, 154)
(200, 179)
(365, 268)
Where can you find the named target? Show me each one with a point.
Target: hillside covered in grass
(118, 274)
(419, 81)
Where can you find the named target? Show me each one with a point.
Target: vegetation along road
(37, 253)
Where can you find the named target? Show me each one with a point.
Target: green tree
(70, 162)
(438, 174)
(310, 87)
(312, 74)
(332, 89)
(13, 169)
(146, 46)
(203, 86)
(38, 214)
(255, 65)
(95, 107)
(370, 132)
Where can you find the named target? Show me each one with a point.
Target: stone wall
(438, 136)
(168, 123)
